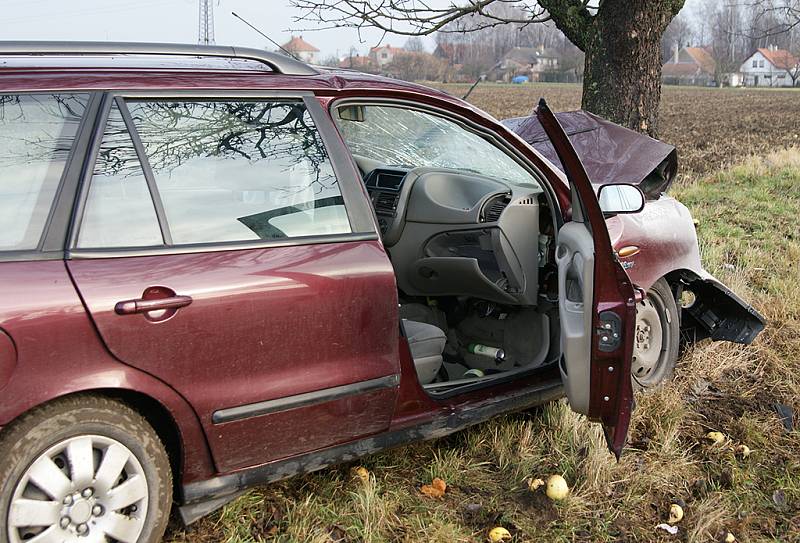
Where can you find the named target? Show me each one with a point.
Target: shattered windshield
(405, 137)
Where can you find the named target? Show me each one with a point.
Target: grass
(747, 222)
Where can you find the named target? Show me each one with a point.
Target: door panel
(596, 302)
(214, 250)
(575, 260)
(263, 324)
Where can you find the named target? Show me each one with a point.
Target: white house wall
(765, 74)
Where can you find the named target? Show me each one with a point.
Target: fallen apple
(362, 473)
(499, 534)
(534, 484)
(675, 513)
(743, 451)
(557, 488)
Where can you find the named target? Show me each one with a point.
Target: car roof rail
(277, 62)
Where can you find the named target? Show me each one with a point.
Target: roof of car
(127, 78)
(109, 65)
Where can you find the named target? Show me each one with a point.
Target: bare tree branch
(770, 19)
(417, 17)
(572, 17)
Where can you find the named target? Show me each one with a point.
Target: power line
(205, 26)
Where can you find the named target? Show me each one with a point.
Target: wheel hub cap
(88, 487)
(647, 340)
(80, 512)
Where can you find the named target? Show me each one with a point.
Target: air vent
(494, 207)
(386, 203)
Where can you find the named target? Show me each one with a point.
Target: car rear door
(222, 246)
(596, 303)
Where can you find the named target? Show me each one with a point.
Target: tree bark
(622, 43)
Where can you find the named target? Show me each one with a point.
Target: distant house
(301, 49)
(384, 54)
(534, 62)
(454, 52)
(358, 62)
(691, 66)
(771, 67)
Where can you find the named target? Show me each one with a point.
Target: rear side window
(223, 171)
(36, 135)
(236, 171)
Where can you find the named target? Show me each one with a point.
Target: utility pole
(205, 27)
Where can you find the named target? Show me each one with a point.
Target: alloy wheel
(85, 488)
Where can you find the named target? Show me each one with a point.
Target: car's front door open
(596, 303)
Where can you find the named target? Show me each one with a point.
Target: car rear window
(36, 135)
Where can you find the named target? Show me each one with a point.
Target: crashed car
(221, 267)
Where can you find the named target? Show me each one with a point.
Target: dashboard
(455, 232)
(383, 186)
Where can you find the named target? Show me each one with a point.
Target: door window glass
(119, 209)
(36, 134)
(239, 170)
(405, 137)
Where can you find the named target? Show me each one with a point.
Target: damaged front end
(712, 310)
(663, 234)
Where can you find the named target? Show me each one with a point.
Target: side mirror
(620, 198)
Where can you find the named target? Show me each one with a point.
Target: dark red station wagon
(221, 267)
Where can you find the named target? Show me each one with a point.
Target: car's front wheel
(84, 468)
(657, 337)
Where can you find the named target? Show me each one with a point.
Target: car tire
(83, 466)
(656, 337)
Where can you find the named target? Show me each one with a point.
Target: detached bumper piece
(718, 313)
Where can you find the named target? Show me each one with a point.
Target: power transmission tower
(205, 27)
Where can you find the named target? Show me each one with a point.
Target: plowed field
(712, 128)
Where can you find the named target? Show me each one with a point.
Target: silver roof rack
(277, 62)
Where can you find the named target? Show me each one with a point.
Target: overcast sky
(168, 21)
(173, 21)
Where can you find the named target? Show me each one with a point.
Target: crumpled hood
(609, 152)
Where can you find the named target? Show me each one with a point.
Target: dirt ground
(712, 128)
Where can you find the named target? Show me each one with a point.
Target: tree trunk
(622, 43)
(623, 62)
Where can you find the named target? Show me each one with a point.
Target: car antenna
(481, 77)
(273, 42)
(472, 88)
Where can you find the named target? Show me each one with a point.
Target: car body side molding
(302, 400)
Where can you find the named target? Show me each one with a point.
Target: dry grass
(750, 239)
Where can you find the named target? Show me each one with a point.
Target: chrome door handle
(141, 305)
